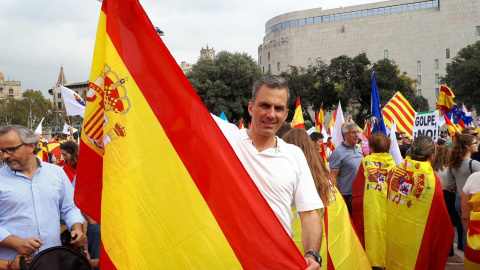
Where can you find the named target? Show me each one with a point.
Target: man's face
(269, 111)
(318, 144)
(17, 153)
(406, 139)
(352, 136)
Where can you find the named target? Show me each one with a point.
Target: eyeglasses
(354, 132)
(10, 150)
(476, 143)
(406, 137)
(475, 134)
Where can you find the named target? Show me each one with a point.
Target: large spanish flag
(400, 110)
(156, 170)
(341, 248)
(369, 195)
(445, 99)
(419, 231)
(298, 121)
(472, 249)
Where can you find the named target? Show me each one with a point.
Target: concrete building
(10, 88)
(421, 37)
(79, 87)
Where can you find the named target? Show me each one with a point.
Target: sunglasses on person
(10, 150)
(475, 134)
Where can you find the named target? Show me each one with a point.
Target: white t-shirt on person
(472, 186)
(281, 174)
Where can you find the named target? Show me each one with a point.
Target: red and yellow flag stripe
(369, 194)
(472, 249)
(419, 234)
(165, 200)
(400, 110)
(298, 121)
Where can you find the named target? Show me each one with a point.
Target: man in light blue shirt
(34, 195)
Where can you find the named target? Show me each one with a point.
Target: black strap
(470, 165)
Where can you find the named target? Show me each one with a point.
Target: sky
(38, 37)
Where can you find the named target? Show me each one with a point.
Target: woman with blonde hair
(461, 167)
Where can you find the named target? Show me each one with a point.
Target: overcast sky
(37, 37)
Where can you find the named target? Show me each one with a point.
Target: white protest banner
(426, 124)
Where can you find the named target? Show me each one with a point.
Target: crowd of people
(289, 168)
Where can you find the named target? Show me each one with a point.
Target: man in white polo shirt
(279, 170)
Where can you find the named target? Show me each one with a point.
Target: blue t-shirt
(347, 159)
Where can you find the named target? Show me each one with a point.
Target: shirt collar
(280, 147)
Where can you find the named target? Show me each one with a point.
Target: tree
(225, 83)
(463, 76)
(27, 111)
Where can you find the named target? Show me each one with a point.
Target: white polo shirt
(281, 174)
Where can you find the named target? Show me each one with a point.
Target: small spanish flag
(298, 116)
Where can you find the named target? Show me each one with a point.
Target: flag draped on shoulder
(445, 99)
(419, 231)
(472, 249)
(298, 121)
(398, 109)
(369, 194)
(341, 248)
(165, 200)
(74, 104)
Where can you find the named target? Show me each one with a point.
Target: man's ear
(250, 108)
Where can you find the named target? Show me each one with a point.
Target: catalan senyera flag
(319, 119)
(445, 99)
(401, 111)
(165, 201)
(369, 194)
(298, 121)
(419, 231)
(450, 126)
(340, 248)
(472, 249)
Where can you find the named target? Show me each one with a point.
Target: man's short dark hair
(272, 81)
(315, 136)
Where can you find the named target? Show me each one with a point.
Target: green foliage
(349, 80)
(27, 111)
(463, 76)
(225, 83)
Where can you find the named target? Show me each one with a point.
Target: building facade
(10, 89)
(80, 88)
(421, 37)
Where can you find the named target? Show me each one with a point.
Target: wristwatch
(317, 257)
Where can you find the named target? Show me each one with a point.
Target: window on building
(1, 89)
(419, 79)
(259, 60)
(437, 92)
(437, 79)
(309, 62)
(319, 60)
(436, 63)
(59, 106)
(263, 69)
(477, 32)
(278, 66)
(268, 56)
(268, 67)
(10, 91)
(447, 52)
(419, 66)
(419, 92)
(59, 95)
(204, 55)
(385, 54)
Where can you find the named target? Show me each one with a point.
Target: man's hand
(16, 261)
(78, 238)
(311, 263)
(28, 246)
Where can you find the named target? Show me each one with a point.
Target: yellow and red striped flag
(240, 125)
(401, 111)
(367, 129)
(332, 122)
(472, 249)
(341, 248)
(319, 119)
(298, 116)
(369, 194)
(159, 195)
(419, 234)
(445, 99)
(451, 128)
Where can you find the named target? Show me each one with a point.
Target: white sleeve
(472, 186)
